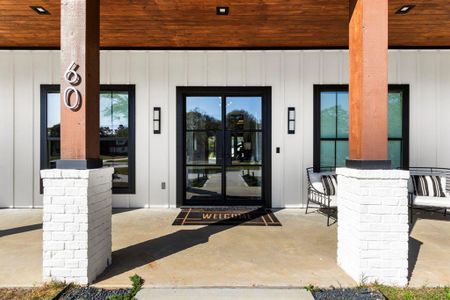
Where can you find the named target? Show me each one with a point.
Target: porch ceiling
(250, 24)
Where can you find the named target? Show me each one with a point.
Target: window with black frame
(331, 125)
(117, 134)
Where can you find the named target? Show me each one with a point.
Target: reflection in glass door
(224, 155)
(243, 138)
(203, 148)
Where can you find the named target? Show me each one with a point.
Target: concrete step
(224, 294)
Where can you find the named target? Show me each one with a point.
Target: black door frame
(266, 94)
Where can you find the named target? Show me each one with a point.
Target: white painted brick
(50, 173)
(46, 200)
(77, 224)
(62, 218)
(79, 272)
(372, 230)
(80, 201)
(55, 263)
(61, 200)
(52, 245)
(66, 254)
(60, 272)
(54, 191)
(80, 254)
(53, 226)
(62, 236)
(81, 183)
(71, 209)
(81, 218)
(71, 227)
(54, 209)
(80, 236)
(71, 263)
(75, 191)
(82, 263)
(47, 236)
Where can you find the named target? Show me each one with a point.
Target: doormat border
(218, 216)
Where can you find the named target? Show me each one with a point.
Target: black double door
(226, 147)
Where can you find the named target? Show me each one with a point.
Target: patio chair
(317, 194)
(431, 203)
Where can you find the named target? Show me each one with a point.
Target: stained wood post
(80, 35)
(368, 90)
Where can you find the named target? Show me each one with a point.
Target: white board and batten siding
(156, 74)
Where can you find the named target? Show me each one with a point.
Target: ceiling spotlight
(222, 10)
(40, 10)
(404, 9)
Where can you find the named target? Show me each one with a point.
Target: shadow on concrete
(116, 211)
(20, 229)
(143, 253)
(428, 215)
(330, 213)
(414, 245)
(413, 254)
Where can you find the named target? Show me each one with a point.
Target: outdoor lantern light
(157, 120)
(291, 120)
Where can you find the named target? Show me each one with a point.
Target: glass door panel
(203, 148)
(246, 148)
(244, 140)
(244, 183)
(204, 183)
(223, 150)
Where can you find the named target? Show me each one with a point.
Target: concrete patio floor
(301, 252)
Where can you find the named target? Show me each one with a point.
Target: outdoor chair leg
(410, 215)
(328, 216)
(307, 205)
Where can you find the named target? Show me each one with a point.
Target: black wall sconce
(291, 120)
(157, 120)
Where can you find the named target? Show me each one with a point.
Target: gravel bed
(90, 293)
(348, 294)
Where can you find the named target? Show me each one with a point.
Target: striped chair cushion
(427, 185)
(329, 183)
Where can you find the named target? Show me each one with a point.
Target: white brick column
(76, 224)
(373, 229)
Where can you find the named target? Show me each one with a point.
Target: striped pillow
(329, 183)
(427, 185)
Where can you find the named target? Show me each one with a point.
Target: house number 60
(73, 79)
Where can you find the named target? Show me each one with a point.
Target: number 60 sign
(73, 79)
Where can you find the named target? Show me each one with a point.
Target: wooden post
(80, 35)
(368, 104)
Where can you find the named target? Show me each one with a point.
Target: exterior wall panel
(23, 129)
(156, 74)
(139, 75)
(7, 129)
(158, 151)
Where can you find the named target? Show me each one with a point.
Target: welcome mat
(227, 216)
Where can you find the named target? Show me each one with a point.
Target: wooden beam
(368, 90)
(80, 27)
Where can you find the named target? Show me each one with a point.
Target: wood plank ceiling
(250, 24)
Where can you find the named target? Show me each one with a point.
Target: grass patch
(424, 293)
(136, 285)
(45, 292)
